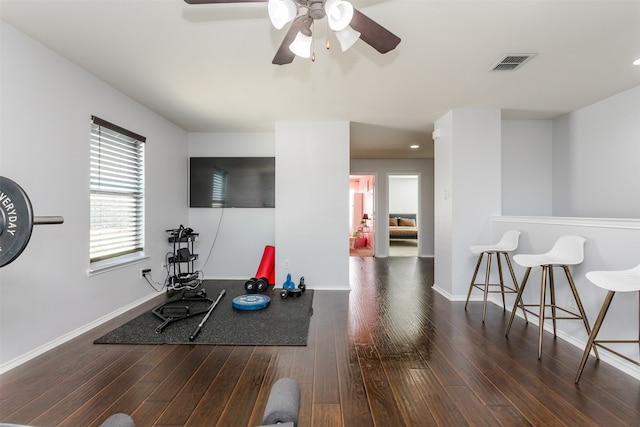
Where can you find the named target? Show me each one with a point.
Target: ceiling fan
(347, 23)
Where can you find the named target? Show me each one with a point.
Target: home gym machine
(182, 274)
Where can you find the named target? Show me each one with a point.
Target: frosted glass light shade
(281, 12)
(339, 14)
(301, 45)
(347, 37)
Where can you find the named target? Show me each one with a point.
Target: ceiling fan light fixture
(301, 45)
(347, 37)
(339, 14)
(281, 12)
(315, 9)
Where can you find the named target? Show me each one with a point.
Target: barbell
(17, 220)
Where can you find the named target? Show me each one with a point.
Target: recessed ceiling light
(414, 146)
(636, 62)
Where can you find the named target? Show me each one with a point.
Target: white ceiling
(207, 68)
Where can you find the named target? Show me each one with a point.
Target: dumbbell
(289, 290)
(254, 285)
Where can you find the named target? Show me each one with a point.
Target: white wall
(583, 164)
(312, 203)
(596, 159)
(232, 240)
(403, 193)
(526, 167)
(443, 203)
(46, 294)
(381, 168)
(468, 192)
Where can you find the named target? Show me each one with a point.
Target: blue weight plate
(251, 302)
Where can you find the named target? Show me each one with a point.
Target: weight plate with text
(250, 302)
(16, 220)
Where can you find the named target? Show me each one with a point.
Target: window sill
(113, 264)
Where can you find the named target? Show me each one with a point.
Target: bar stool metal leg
(473, 279)
(515, 282)
(487, 283)
(518, 302)
(594, 333)
(552, 294)
(504, 304)
(486, 286)
(583, 314)
(543, 295)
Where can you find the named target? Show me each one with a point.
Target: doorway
(404, 209)
(361, 215)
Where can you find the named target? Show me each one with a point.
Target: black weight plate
(250, 285)
(262, 284)
(251, 302)
(16, 220)
(295, 292)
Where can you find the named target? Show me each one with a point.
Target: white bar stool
(508, 243)
(568, 250)
(612, 281)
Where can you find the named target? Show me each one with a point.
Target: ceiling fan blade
(373, 33)
(284, 55)
(222, 1)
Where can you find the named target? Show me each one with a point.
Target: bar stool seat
(612, 281)
(508, 243)
(567, 250)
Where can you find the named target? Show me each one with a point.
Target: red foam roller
(272, 277)
(265, 269)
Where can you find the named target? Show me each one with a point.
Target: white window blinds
(117, 191)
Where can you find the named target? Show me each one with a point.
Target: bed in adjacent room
(403, 226)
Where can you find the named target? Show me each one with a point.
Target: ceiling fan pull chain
(313, 44)
(328, 45)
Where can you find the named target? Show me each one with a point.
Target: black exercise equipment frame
(182, 239)
(186, 296)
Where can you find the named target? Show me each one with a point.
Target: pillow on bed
(393, 222)
(406, 222)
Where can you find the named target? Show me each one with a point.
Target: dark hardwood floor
(390, 352)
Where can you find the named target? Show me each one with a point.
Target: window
(117, 192)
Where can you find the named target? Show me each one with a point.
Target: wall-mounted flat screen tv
(232, 182)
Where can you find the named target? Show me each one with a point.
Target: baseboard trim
(444, 293)
(14, 363)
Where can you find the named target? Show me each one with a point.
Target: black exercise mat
(283, 322)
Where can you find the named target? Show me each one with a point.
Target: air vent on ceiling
(512, 61)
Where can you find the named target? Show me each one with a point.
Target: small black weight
(262, 284)
(16, 220)
(295, 292)
(251, 285)
(285, 293)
